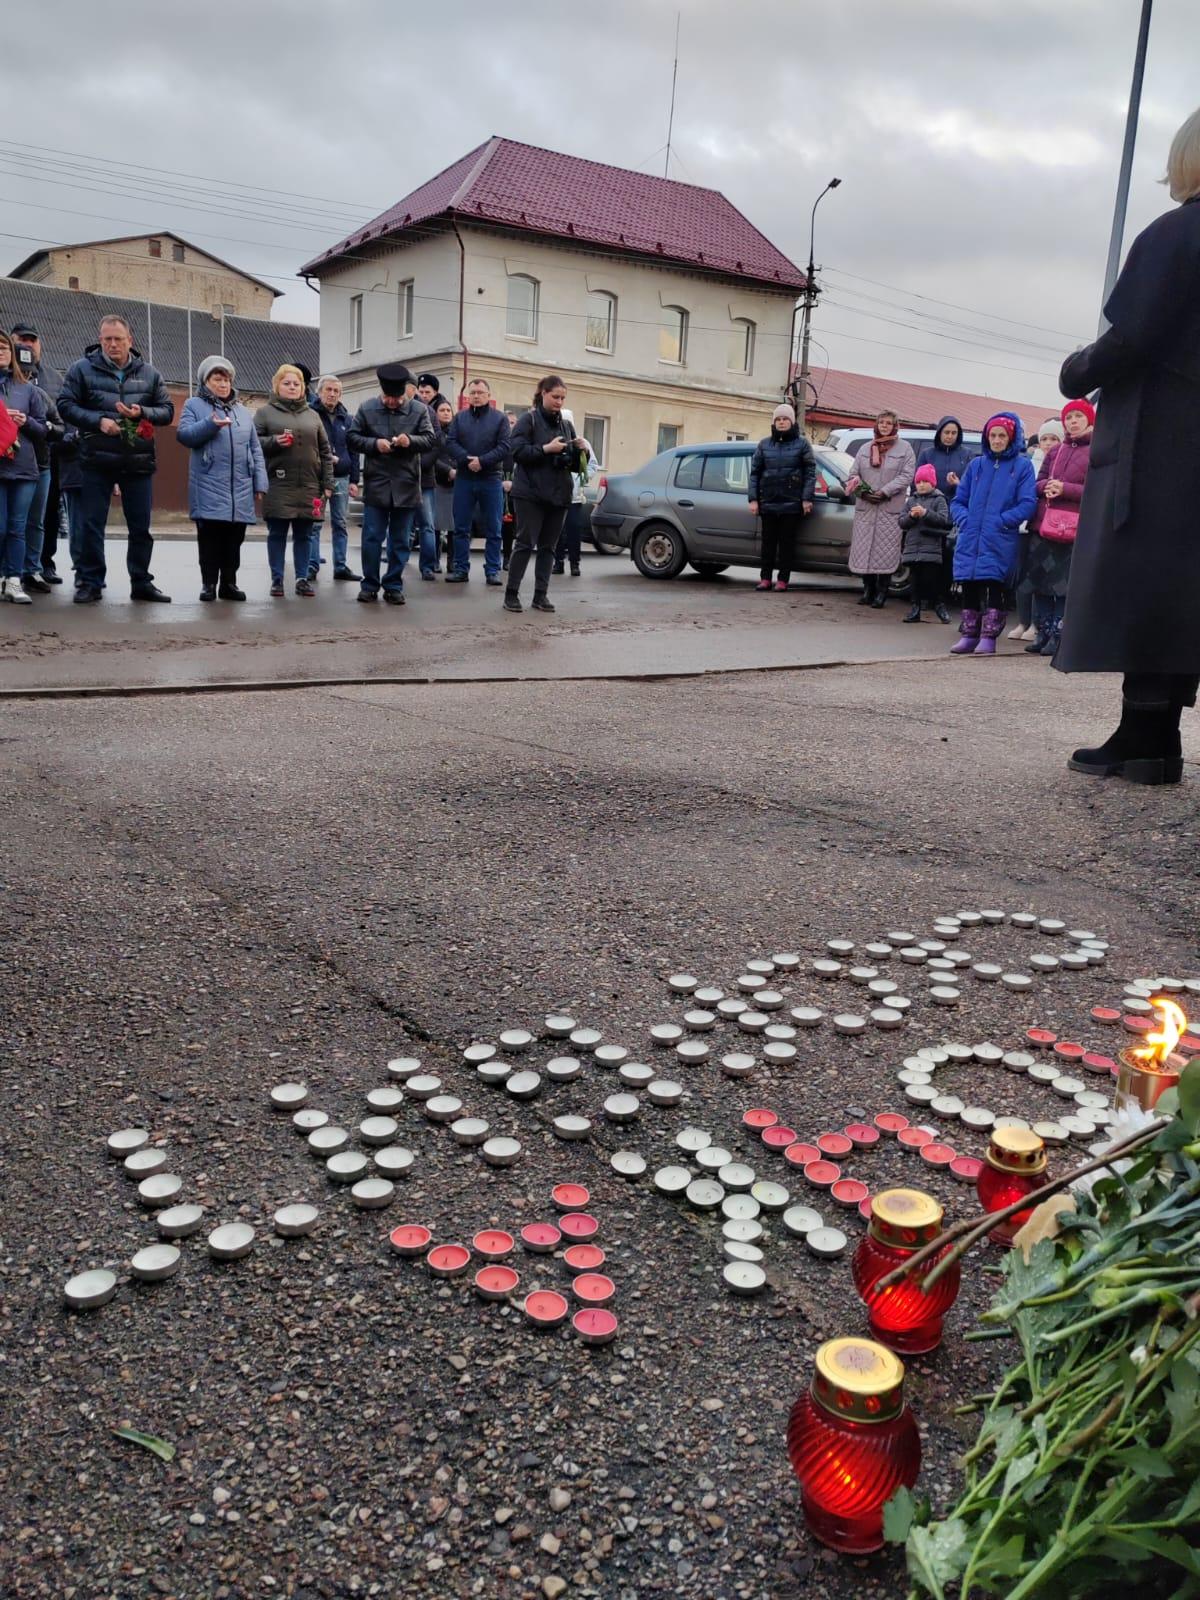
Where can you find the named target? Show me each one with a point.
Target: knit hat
(784, 411)
(1001, 420)
(1085, 406)
(393, 377)
(926, 474)
(1052, 426)
(428, 378)
(212, 364)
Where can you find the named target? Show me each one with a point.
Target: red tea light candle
(410, 1239)
(937, 1155)
(593, 1288)
(1136, 1024)
(834, 1144)
(849, 1192)
(569, 1196)
(800, 1155)
(1068, 1050)
(496, 1283)
(540, 1237)
(864, 1207)
(861, 1134)
(1040, 1038)
(852, 1442)
(1093, 1061)
(583, 1258)
(966, 1169)
(448, 1260)
(822, 1174)
(1015, 1166)
(890, 1123)
(578, 1226)
(904, 1316)
(1108, 1015)
(758, 1118)
(777, 1137)
(493, 1244)
(913, 1139)
(595, 1325)
(546, 1308)
(1188, 1045)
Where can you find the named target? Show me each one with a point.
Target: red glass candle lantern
(1015, 1166)
(904, 1316)
(852, 1443)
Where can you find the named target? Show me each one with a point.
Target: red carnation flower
(145, 430)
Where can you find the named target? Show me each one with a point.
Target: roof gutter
(462, 288)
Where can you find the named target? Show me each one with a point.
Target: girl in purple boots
(997, 493)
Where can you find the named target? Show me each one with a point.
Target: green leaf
(1007, 1559)
(1182, 1398)
(1041, 1432)
(1189, 1096)
(1186, 1510)
(1146, 1462)
(898, 1516)
(162, 1448)
(1020, 1468)
(937, 1555)
(1171, 1547)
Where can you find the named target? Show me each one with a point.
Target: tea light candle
(372, 1194)
(887, 1017)
(583, 1258)
(946, 1106)
(883, 986)
(514, 1040)
(733, 1251)
(523, 1085)
(943, 994)
(1073, 961)
(588, 1038)
(941, 965)
(622, 1107)
(807, 1016)
(410, 1239)
(913, 1139)
(142, 1163)
(846, 1022)
(890, 1123)
(1044, 963)
(713, 1157)
(779, 1052)
(496, 1282)
(160, 1189)
(672, 1181)
(1079, 1128)
(861, 1134)
(736, 1065)
(768, 1000)
(612, 1055)
(1094, 1062)
(697, 1021)
(327, 1141)
(989, 1054)
(744, 1278)
(705, 1194)
(735, 1175)
(934, 1054)
(987, 971)
(385, 1099)
(501, 1152)
(960, 1053)
(682, 982)
(394, 1161)
(1108, 1016)
(155, 1262)
(994, 917)
(710, 995)
(969, 919)
(966, 1169)
(88, 1291)
(1068, 1050)
(1095, 956)
(779, 1136)
(1051, 925)
(1011, 1122)
(567, 1126)
(595, 1325)
(771, 1196)
(1050, 1132)
(849, 1192)
(753, 1021)
(560, 1027)
(1023, 919)
(921, 1094)
(787, 962)
(879, 951)
(593, 1288)
(835, 1144)
(839, 947)
(474, 1055)
(666, 1033)
(862, 974)
(911, 1075)
(179, 1222)
(1066, 1087)
(801, 1220)
(931, 947)
(761, 965)
(978, 1118)
(825, 968)
(231, 1241)
(934, 1154)
(541, 1238)
(731, 1008)
(448, 1260)
(468, 1131)
(125, 1141)
(348, 1166)
(740, 1207)
(494, 1073)
(822, 1174)
(759, 1117)
(378, 1130)
(295, 1221)
(1043, 1072)
(799, 1154)
(749, 982)
(288, 1096)
(424, 1086)
(1040, 1038)
(545, 1308)
(305, 1121)
(563, 1068)
(1017, 1060)
(746, 1230)
(827, 1243)
(897, 939)
(664, 1092)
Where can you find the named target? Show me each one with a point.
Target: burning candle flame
(1161, 1041)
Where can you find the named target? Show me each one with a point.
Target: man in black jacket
(390, 431)
(336, 421)
(116, 401)
(478, 443)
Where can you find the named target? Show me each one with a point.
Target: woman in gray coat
(227, 476)
(1134, 593)
(883, 470)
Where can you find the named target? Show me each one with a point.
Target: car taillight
(602, 489)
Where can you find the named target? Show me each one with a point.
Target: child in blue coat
(997, 493)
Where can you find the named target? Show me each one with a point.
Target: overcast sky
(978, 145)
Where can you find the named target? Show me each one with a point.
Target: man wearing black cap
(390, 431)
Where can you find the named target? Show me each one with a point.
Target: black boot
(940, 612)
(868, 593)
(1037, 646)
(1146, 748)
(879, 599)
(914, 612)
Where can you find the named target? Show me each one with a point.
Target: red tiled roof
(847, 397)
(542, 191)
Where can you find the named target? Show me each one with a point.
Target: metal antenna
(671, 117)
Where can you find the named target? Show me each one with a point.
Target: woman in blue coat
(226, 474)
(997, 493)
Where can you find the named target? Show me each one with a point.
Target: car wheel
(603, 547)
(659, 551)
(710, 569)
(900, 582)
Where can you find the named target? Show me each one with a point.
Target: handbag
(1059, 524)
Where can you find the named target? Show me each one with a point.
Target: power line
(939, 355)
(932, 300)
(1009, 339)
(950, 338)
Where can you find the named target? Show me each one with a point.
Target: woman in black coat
(546, 453)
(783, 478)
(1134, 593)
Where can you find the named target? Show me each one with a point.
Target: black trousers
(539, 526)
(978, 595)
(926, 582)
(220, 550)
(1154, 691)
(570, 545)
(778, 543)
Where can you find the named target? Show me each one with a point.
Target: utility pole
(671, 114)
(1131, 126)
(800, 388)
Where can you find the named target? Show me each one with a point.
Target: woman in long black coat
(1134, 595)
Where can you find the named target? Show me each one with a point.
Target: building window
(72, 283)
(522, 307)
(156, 247)
(404, 310)
(668, 435)
(229, 311)
(737, 438)
(595, 431)
(601, 331)
(672, 336)
(356, 314)
(741, 346)
(176, 252)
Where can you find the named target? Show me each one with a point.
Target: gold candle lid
(859, 1379)
(905, 1218)
(1016, 1150)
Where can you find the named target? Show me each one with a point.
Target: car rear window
(689, 471)
(727, 474)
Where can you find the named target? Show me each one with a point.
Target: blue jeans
(16, 497)
(277, 541)
(474, 492)
(1049, 609)
(72, 504)
(95, 495)
(35, 525)
(338, 502)
(426, 531)
(393, 524)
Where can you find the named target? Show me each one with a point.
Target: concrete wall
(126, 268)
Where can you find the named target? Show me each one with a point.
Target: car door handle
(688, 503)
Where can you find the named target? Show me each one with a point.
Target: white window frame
(736, 438)
(589, 433)
(356, 323)
(405, 308)
(748, 330)
(610, 347)
(681, 360)
(678, 427)
(534, 312)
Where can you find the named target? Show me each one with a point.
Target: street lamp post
(1131, 126)
(800, 389)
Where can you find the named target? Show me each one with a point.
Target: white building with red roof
(667, 313)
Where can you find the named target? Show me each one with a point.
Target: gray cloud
(978, 147)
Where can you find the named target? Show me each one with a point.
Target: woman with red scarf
(1061, 478)
(883, 471)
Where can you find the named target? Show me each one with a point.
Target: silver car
(691, 505)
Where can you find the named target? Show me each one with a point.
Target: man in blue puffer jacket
(116, 401)
(997, 493)
(478, 444)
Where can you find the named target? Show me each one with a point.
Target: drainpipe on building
(462, 285)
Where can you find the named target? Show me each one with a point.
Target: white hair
(328, 377)
(1183, 162)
